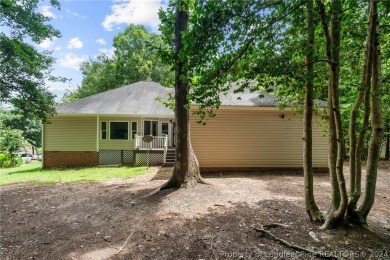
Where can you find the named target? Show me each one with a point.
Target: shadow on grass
(30, 170)
(39, 168)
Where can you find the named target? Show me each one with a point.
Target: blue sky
(88, 27)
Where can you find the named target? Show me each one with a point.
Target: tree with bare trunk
(335, 214)
(186, 169)
(370, 94)
(311, 206)
(377, 125)
(356, 143)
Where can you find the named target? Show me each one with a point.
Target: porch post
(97, 133)
(43, 145)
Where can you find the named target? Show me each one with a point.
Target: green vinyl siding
(81, 133)
(70, 133)
(110, 144)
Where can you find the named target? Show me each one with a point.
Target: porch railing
(158, 142)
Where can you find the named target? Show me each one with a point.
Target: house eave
(236, 107)
(116, 115)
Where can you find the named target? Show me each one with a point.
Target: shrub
(6, 161)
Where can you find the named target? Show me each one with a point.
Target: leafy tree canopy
(262, 43)
(23, 70)
(30, 128)
(135, 58)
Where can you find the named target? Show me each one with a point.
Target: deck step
(167, 164)
(170, 158)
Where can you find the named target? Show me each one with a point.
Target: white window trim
(151, 120)
(161, 128)
(101, 130)
(109, 127)
(131, 130)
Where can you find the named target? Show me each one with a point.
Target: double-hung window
(134, 126)
(103, 130)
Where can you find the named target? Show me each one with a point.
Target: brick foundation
(70, 159)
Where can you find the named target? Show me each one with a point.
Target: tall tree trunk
(356, 145)
(186, 169)
(332, 144)
(360, 144)
(332, 156)
(376, 123)
(311, 206)
(335, 217)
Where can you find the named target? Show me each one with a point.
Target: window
(119, 130)
(133, 129)
(164, 129)
(103, 130)
(151, 128)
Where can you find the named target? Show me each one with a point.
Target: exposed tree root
(357, 219)
(331, 223)
(168, 185)
(295, 247)
(202, 181)
(173, 184)
(316, 215)
(272, 225)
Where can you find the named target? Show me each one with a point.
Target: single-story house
(108, 128)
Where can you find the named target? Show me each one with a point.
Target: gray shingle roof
(248, 99)
(134, 99)
(140, 99)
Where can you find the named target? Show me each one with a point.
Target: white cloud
(75, 43)
(101, 41)
(108, 52)
(73, 61)
(57, 88)
(58, 48)
(46, 44)
(134, 11)
(45, 10)
(75, 14)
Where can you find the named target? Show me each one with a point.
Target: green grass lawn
(33, 172)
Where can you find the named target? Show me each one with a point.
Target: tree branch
(224, 69)
(127, 240)
(318, 61)
(292, 246)
(325, 27)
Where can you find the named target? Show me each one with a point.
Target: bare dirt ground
(120, 219)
